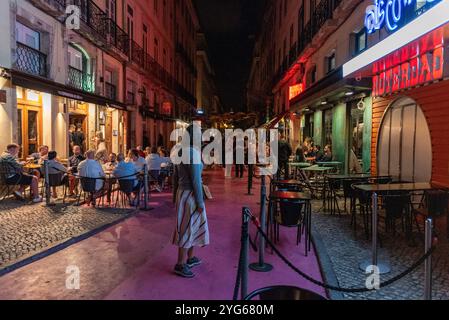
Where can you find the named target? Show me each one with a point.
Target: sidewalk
(134, 259)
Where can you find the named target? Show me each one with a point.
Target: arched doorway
(404, 148)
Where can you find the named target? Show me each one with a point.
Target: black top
(74, 161)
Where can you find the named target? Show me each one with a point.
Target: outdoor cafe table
(333, 164)
(377, 189)
(295, 166)
(297, 196)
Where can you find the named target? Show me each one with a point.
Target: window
(156, 49)
(361, 41)
(155, 6)
(328, 119)
(27, 36)
(111, 9)
(75, 58)
(357, 126)
(330, 62)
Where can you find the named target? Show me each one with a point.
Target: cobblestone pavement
(27, 230)
(346, 250)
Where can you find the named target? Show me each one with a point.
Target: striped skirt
(192, 229)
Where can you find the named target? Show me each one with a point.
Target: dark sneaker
(183, 270)
(193, 262)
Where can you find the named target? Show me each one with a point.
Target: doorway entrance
(405, 148)
(29, 129)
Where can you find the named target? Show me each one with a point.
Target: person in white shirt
(136, 159)
(154, 163)
(90, 168)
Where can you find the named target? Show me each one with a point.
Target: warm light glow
(432, 19)
(295, 90)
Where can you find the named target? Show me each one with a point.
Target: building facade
(121, 70)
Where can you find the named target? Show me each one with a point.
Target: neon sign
(418, 63)
(389, 13)
(295, 90)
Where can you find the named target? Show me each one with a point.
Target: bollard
(245, 252)
(47, 185)
(428, 262)
(146, 189)
(261, 266)
(382, 267)
(250, 179)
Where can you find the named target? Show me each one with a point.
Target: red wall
(434, 101)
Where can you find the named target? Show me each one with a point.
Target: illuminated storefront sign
(416, 64)
(393, 13)
(295, 90)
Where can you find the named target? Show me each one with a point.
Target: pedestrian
(192, 229)
(284, 153)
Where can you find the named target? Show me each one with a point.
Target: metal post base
(261, 267)
(384, 268)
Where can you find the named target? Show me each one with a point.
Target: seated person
(135, 158)
(15, 175)
(56, 167)
(74, 161)
(327, 156)
(91, 168)
(112, 162)
(127, 171)
(41, 156)
(319, 156)
(154, 163)
(299, 154)
(309, 155)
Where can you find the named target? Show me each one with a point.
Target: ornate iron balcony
(31, 61)
(80, 80)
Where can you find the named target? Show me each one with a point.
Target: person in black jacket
(284, 153)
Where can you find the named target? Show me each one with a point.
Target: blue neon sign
(390, 13)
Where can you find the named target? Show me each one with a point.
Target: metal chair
(59, 180)
(283, 293)
(88, 186)
(434, 203)
(126, 189)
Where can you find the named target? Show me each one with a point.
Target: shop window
(404, 147)
(75, 58)
(357, 125)
(328, 119)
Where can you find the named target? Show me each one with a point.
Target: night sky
(229, 26)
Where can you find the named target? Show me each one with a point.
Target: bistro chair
(283, 293)
(89, 188)
(59, 179)
(397, 207)
(434, 204)
(364, 206)
(7, 187)
(333, 196)
(292, 214)
(126, 189)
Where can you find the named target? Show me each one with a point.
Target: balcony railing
(110, 91)
(92, 16)
(80, 80)
(31, 61)
(185, 56)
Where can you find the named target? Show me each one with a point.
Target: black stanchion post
(261, 266)
(146, 189)
(382, 266)
(47, 185)
(250, 178)
(245, 252)
(428, 262)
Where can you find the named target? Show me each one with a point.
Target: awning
(272, 123)
(45, 85)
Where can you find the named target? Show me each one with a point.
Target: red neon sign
(418, 63)
(295, 90)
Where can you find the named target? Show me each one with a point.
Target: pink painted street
(134, 259)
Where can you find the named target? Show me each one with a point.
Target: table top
(32, 166)
(318, 169)
(293, 182)
(329, 163)
(300, 164)
(290, 195)
(396, 187)
(351, 176)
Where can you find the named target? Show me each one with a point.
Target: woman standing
(191, 226)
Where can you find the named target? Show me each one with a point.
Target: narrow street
(134, 259)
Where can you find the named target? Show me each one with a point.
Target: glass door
(29, 129)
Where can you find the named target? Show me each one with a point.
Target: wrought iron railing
(93, 16)
(110, 91)
(185, 56)
(80, 80)
(30, 60)
(137, 53)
